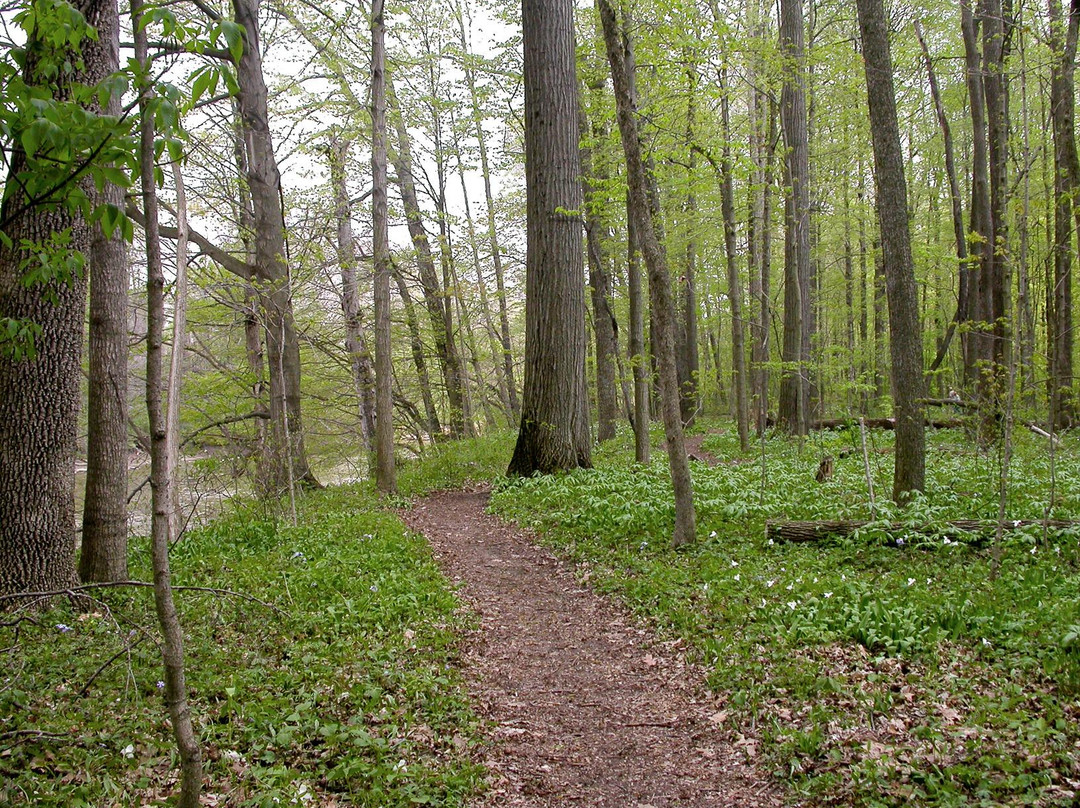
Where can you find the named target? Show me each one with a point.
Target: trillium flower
(737, 576)
(712, 535)
(827, 595)
(792, 604)
(734, 563)
(900, 542)
(910, 581)
(1033, 549)
(160, 685)
(789, 587)
(64, 628)
(769, 583)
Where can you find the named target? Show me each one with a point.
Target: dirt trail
(589, 709)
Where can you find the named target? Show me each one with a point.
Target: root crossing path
(588, 708)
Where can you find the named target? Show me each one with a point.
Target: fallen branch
(811, 531)
(73, 591)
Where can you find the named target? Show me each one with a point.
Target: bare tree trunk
(385, 470)
(794, 384)
(663, 309)
(289, 458)
(435, 297)
(104, 524)
(496, 250)
(639, 360)
(176, 359)
(363, 374)
(554, 432)
(416, 344)
(905, 334)
(688, 357)
(172, 650)
(604, 323)
(738, 338)
(1063, 43)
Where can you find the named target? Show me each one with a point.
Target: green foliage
(344, 684)
(932, 679)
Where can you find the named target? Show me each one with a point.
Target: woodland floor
(586, 706)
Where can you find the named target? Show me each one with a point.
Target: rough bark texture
(39, 397)
(554, 432)
(639, 361)
(1063, 43)
(286, 445)
(795, 384)
(905, 333)
(660, 296)
(385, 470)
(103, 556)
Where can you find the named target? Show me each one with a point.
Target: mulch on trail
(588, 707)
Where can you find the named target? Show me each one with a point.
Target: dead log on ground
(811, 531)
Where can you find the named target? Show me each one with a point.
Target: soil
(586, 706)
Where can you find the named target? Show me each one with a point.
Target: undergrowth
(895, 666)
(340, 688)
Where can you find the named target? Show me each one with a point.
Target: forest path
(589, 709)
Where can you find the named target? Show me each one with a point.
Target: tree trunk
(416, 344)
(639, 360)
(905, 333)
(286, 445)
(39, 394)
(104, 522)
(172, 646)
(600, 287)
(794, 384)
(363, 374)
(554, 432)
(1063, 44)
(738, 338)
(493, 237)
(436, 299)
(385, 470)
(663, 308)
(176, 358)
(689, 360)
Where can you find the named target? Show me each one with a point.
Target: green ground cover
(862, 671)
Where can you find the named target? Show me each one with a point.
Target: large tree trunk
(660, 296)
(104, 524)
(905, 334)
(385, 469)
(286, 445)
(795, 383)
(416, 345)
(363, 374)
(39, 395)
(1063, 43)
(554, 432)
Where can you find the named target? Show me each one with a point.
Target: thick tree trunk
(286, 445)
(385, 470)
(663, 308)
(104, 523)
(1063, 43)
(554, 432)
(39, 395)
(905, 333)
(795, 383)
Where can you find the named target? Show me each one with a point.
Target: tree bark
(176, 358)
(385, 470)
(172, 648)
(905, 333)
(554, 432)
(795, 383)
(663, 308)
(416, 344)
(639, 360)
(286, 445)
(104, 523)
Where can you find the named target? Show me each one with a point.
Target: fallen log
(874, 423)
(810, 531)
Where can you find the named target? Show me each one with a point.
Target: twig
(125, 650)
(75, 590)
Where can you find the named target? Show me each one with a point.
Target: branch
(229, 262)
(74, 590)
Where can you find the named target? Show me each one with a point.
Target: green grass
(870, 674)
(346, 692)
